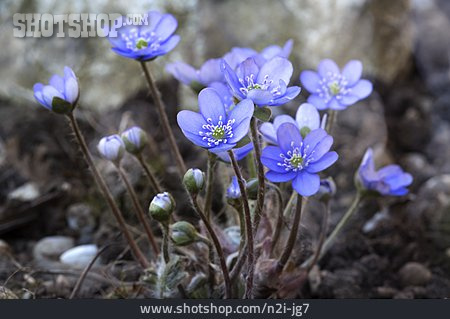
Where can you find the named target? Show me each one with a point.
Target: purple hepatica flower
(213, 128)
(389, 180)
(233, 190)
(225, 94)
(111, 147)
(208, 73)
(299, 159)
(61, 94)
(333, 89)
(273, 51)
(146, 42)
(307, 119)
(265, 86)
(239, 153)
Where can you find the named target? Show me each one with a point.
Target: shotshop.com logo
(73, 25)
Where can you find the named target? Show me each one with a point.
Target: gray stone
(50, 248)
(414, 274)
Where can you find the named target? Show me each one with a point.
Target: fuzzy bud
(134, 139)
(252, 188)
(194, 180)
(111, 148)
(184, 233)
(161, 207)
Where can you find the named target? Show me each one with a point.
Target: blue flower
(213, 128)
(146, 42)
(334, 89)
(61, 94)
(299, 160)
(208, 73)
(111, 147)
(389, 180)
(239, 153)
(265, 86)
(233, 190)
(307, 119)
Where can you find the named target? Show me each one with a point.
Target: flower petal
(281, 119)
(277, 177)
(362, 89)
(321, 148)
(317, 101)
(57, 82)
(327, 67)
(306, 184)
(288, 136)
(221, 148)
(211, 105)
(352, 71)
(166, 26)
(232, 80)
(307, 115)
(190, 121)
(289, 95)
(277, 69)
(270, 158)
(183, 72)
(313, 138)
(71, 90)
(242, 114)
(326, 161)
(269, 133)
(310, 81)
(210, 72)
(260, 97)
(49, 92)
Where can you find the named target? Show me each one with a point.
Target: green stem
(150, 176)
(261, 179)
(293, 234)
(280, 218)
(332, 116)
(139, 211)
(248, 226)
(165, 242)
(106, 193)
(164, 119)
(251, 165)
(212, 160)
(217, 245)
(288, 208)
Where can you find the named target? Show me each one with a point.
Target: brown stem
(217, 245)
(280, 219)
(150, 176)
(139, 211)
(106, 193)
(293, 234)
(248, 226)
(261, 180)
(212, 160)
(164, 119)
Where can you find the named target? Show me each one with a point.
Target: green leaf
(262, 113)
(245, 140)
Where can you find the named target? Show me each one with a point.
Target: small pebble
(50, 248)
(414, 274)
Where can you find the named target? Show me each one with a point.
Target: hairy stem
(139, 211)
(165, 242)
(212, 160)
(332, 115)
(293, 234)
(164, 119)
(261, 180)
(248, 226)
(280, 218)
(150, 176)
(290, 203)
(323, 233)
(106, 193)
(217, 245)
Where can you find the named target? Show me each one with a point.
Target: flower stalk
(106, 193)
(164, 119)
(212, 161)
(139, 211)
(150, 176)
(260, 171)
(248, 226)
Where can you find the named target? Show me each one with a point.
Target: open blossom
(211, 72)
(335, 89)
(306, 119)
(265, 85)
(146, 42)
(214, 128)
(239, 153)
(111, 147)
(299, 159)
(388, 180)
(61, 94)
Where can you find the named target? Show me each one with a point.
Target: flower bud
(327, 189)
(233, 190)
(184, 233)
(194, 180)
(252, 188)
(161, 207)
(111, 147)
(134, 139)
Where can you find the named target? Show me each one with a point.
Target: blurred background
(398, 248)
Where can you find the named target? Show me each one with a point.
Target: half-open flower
(61, 94)
(111, 147)
(388, 180)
